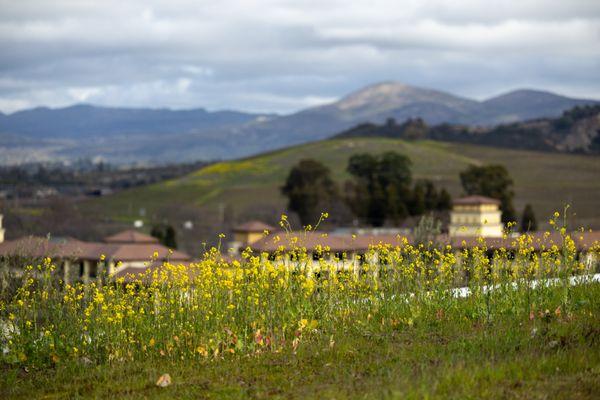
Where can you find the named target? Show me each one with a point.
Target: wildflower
(202, 351)
(302, 323)
(557, 312)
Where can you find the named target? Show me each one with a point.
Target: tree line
(381, 190)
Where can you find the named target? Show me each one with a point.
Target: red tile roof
(130, 236)
(476, 200)
(254, 226)
(141, 252)
(311, 240)
(38, 247)
(345, 242)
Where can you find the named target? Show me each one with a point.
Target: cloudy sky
(286, 55)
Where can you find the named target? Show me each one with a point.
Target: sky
(282, 56)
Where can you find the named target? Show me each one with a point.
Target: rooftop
(336, 243)
(254, 226)
(476, 200)
(361, 243)
(130, 236)
(125, 246)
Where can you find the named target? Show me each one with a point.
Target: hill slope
(576, 130)
(250, 187)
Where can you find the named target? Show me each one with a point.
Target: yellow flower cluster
(271, 302)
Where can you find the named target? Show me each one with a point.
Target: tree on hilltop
(309, 189)
(444, 200)
(165, 234)
(491, 181)
(380, 187)
(528, 220)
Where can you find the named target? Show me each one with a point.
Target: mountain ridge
(577, 130)
(140, 134)
(91, 119)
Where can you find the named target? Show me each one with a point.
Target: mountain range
(125, 135)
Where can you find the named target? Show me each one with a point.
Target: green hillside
(546, 180)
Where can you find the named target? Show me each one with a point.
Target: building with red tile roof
(348, 250)
(476, 200)
(83, 261)
(130, 236)
(249, 232)
(476, 216)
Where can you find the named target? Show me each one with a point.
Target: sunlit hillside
(546, 180)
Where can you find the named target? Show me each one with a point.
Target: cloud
(285, 55)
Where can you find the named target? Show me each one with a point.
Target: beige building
(248, 233)
(476, 216)
(1, 229)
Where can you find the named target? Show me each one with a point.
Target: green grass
(546, 180)
(259, 329)
(446, 361)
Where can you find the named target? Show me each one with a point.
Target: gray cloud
(285, 55)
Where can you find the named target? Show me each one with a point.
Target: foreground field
(393, 325)
(452, 360)
(546, 180)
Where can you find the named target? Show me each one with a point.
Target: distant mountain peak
(389, 95)
(379, 92)
(523, 104)
(525, 94)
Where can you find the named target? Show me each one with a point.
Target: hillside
(576, 130)
(123, 135)
(250, 187)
